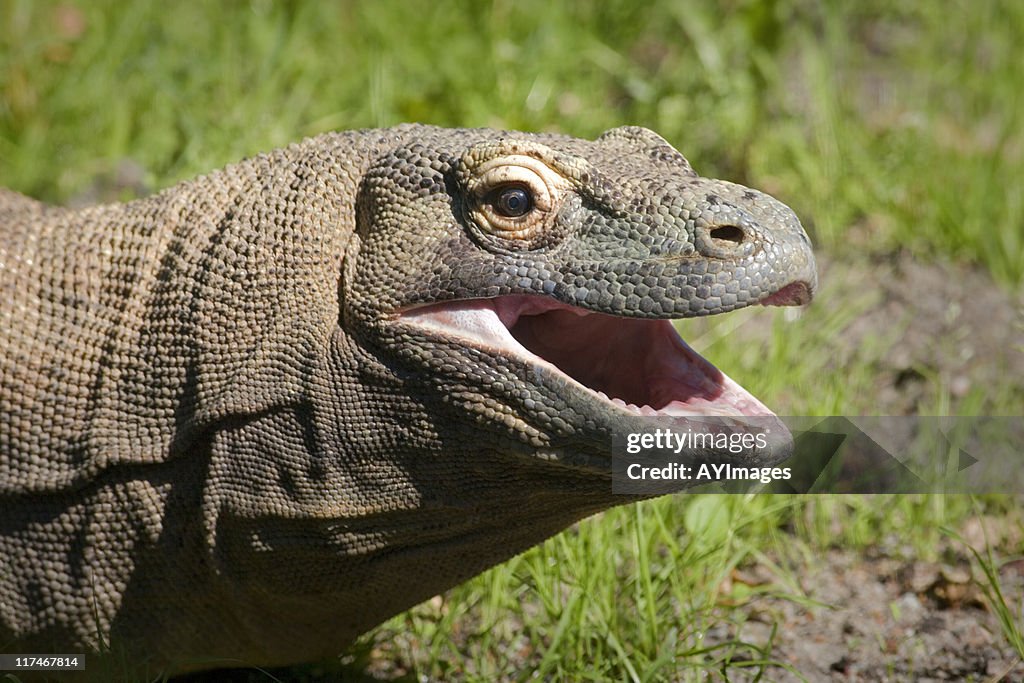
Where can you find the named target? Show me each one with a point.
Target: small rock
(918, 577)
(952, 574)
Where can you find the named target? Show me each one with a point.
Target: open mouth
(641, 366)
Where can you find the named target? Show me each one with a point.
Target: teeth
(622, 404)
(649, 411)
(677, 410)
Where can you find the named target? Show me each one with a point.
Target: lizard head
(532, 280)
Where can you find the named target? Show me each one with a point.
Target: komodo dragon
(248, 418)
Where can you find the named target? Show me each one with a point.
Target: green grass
(886, 128)
(633, 597)
(1008, 617)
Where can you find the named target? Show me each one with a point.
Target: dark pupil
(513, 202)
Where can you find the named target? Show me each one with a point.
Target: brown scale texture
(217, 440)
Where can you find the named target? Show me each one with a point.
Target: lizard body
(254, 415)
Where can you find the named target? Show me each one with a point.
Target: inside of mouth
(640, 365)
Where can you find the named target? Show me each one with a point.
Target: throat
(609, 355)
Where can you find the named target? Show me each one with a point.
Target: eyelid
(546, 187)
(544, 183)
(551, 177)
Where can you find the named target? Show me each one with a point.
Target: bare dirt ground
(955, 326)
(886, 619)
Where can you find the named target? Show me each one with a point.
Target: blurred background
(894, 130)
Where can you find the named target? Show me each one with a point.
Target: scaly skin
(236, 420)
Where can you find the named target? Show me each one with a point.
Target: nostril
(727, 233)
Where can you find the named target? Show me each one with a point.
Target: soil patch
(955, 326)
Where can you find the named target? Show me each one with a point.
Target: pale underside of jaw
(641, 366)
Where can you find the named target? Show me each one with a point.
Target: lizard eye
(512, 201)
(511, 196)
